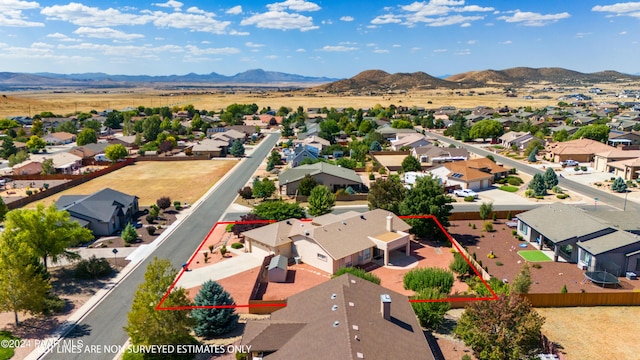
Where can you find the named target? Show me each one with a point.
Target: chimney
(389, 223)
(385, 306)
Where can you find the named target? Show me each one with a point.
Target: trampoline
(602, 278)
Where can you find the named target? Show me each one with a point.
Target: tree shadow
(447, 326)
(79, 330)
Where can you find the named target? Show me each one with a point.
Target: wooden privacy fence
(456, 245)
(573, 299)
(475, 215)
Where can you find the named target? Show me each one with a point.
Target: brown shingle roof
(580, 146)
(342, 319)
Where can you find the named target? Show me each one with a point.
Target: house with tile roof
(331, 241)
(595, 241)
(517, 138)
(602, 160)
(103, 212)
(332, 176)
(412, 140)
(474, 174)
(59, 138)
(344, 318)
(581, 150)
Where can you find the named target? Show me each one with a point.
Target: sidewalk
(229, 267)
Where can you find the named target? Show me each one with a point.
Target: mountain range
(369, 80)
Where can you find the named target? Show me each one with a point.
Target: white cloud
(463, 52)
(176, 5)
(40, 52)
(619, 8)
(471, 42)
(347, 18)
(194, 50)
(368, 45)
(83, 15)
(581, 35)
(327, 22)
(253, 45)
(236, 10)
(396, 45)
(11, 13)
(106, 33)
(294, 5)
(464, 25)
(193, 22)
(301, 50)
(440, 50)
(387, 19)
(158, 38)
(280, 20)
(622, 33)
(272, 57)
(339, 48)
(238, 33)
(381, 51)
(506, 42)
(433, 13)
(61, 37)
(534, 19)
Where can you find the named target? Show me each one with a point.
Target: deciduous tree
(486, 129)
(35, 143)
(485, 210)
(47, 167)
(430, 314)
(86, 136)
(279, 210)
(306, 185)
(263, 188)
(386, 194)
(427, 197)
(115, 152)
(321, 201)
(410, 163)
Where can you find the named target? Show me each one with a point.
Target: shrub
(498, 263)
(536, 266)
(509, 215)
(29, 192)
(564, 289)
(359, 273)
(92, 268)
(245, 192)
(539, 197)
(229, 228)
(150, 218)
(583, 168)
(473, 226)
(151, 230)
(237, 245)
(423, 278)
(469, 198)
(163, 202)
(494, 217)
(223, 250)
(371, 176)
(382, 170)
(514, 181)
(562, 196)
(459, 265)
(430, 314)
(488, 227)
(52, 304)
(557, 189)
(129, 234)
(514, 232)
(491, 255)
(529, 193)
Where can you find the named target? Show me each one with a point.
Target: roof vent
(336, 323)
(288, 222)
(334, 308)
(334, 296)
(351, 303)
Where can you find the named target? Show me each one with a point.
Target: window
(322, 257)
(585, 258)
(524, 228)
(367, 253)
(638, 264)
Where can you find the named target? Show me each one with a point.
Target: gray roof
(297, 173)
(342, 318)
(559, 222)
(609, 242)
(100, 205)
(621, 220)
(279, 262)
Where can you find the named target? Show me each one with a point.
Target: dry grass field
(63, 103)
(185, 181)
(605, 332)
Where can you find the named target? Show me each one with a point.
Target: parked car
(465, 193)
(569, 163)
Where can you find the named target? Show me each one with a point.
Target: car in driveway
(465, 193)
(569, 163)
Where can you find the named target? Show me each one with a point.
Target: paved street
(104, 324)
(603, 197)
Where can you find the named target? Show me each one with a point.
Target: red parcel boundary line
(432, 217)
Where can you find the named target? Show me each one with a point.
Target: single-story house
(330, 242)
(89, 151)
(412, 140)
(63, 162)
(475, 174)
(581, 150)
(229, 136)
(209, 147)
(343, 318)
(277, 269)
(103, 212)
(627, 169)
(28, 167)
(517, 138)
(432, 155)
(294, 156)
(314, 141)
(59, 138)
(332, 176)
(624, 138)
(602, 160)
(389, 133)
(596, 241)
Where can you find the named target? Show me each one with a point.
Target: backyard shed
(277, 270)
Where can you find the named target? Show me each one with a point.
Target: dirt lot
(605, 332)
(185, 181)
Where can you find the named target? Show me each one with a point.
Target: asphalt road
(603, 197)
(104, 324)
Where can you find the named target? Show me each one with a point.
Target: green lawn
(508, 188)
(6, 352)
(534, 255)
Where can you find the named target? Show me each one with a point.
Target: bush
(508, 188)
(583, 168)
(459, 265)
(150, 218)
(491, 255)
(529, 193)
(371, 176)
(473, 226)
(469, 198)
(423, 278)
(151, 230)
(237, 245)
(557, 189)
(539, 197)
(29, 192)
(229, 228)
(245, 192)
(359, 273)
(514, 181)
(430, 314)
(92, 268)
(498, 263)
(129, 234)
(514, 232)
(564, 289)
(562, 196)
(488, 227)
(163, 202)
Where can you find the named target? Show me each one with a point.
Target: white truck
(465, 193)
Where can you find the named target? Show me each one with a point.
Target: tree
(8, 148)
(486, 129)
(401, 124)
(328, 129)
(19, 157)
(485, 210)
(237, 149)
(129, 234)
(386, 194)
(508, 328)
(151, 128)
(459, 265)
(365, 127)
(148, 326)
(48, 231)
(533, 146)
(24, 286)
(537, 185)
(37, 128)
(418, 279)
(67, 126)
(163, 203)
(490, 157)
(532, 156)
(115, 152)
(426, 197)
(522, 281)
(92, 124)
(245, 192)
(375, 146)
(597, 132)
(361, 273)
(550, 178)
(211, 322)
(561, 135)
(35, 143)
(275, 157)
(321, 201)
(263, 189)
(86, 136)
(47, 167)
(4, 209)
(127, 125)
(410, 163)
(307, 184)
(278, 210)
(430, 314)
(619, 185)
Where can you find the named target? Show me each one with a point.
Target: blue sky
(316, 38)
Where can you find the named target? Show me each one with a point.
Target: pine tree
(619, 185)
(237, 149)
(211, 322)
(8, 148)
(522, 282)
(550, 178)
(532, 156)
(537, 185)
(129, 234)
